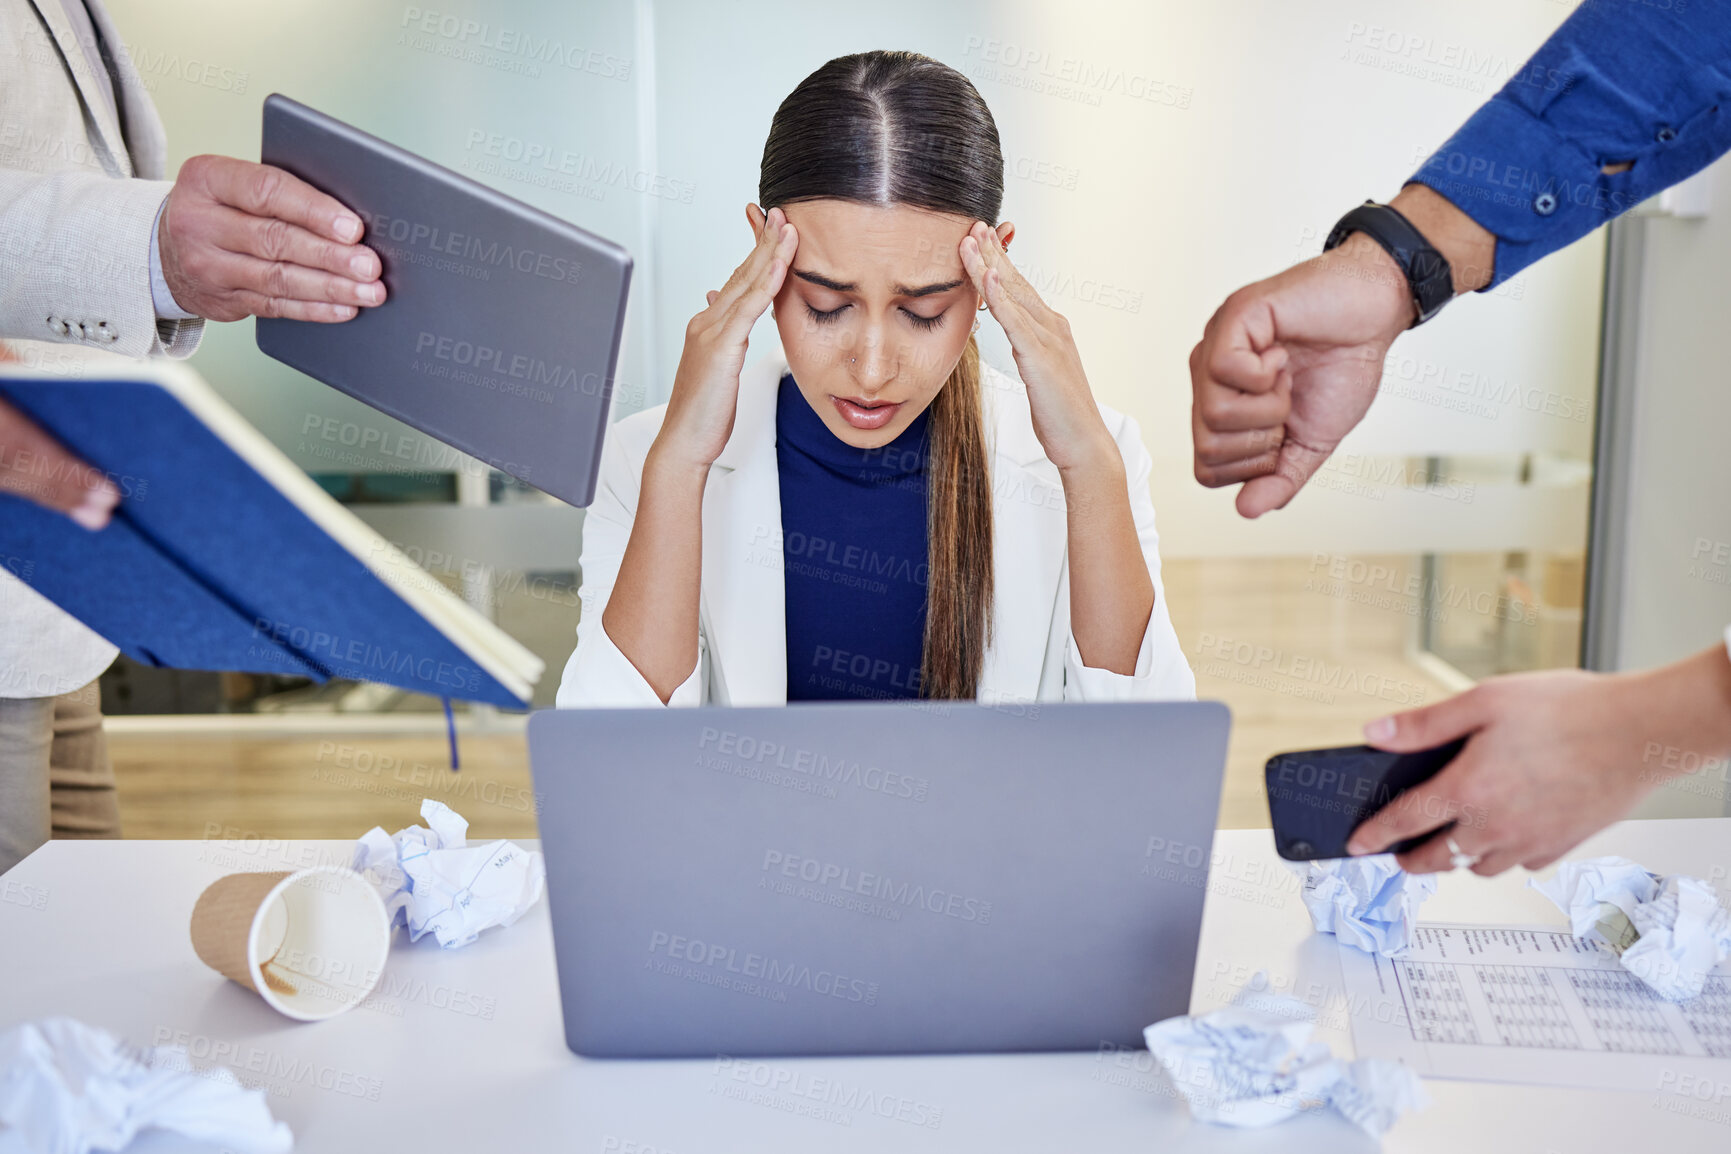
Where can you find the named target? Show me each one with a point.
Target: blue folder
(207, 564)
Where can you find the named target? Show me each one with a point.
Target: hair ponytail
(959, 537)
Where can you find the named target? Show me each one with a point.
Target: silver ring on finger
(1459, 860)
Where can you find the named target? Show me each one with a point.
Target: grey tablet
(501, 327)
(875, 878)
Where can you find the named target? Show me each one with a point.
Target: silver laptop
(875, 878)
(501, 325)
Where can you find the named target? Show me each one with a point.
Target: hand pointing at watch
(1289, 365)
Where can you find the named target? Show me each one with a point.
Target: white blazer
(742, 625)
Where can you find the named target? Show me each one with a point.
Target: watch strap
(1427, 271)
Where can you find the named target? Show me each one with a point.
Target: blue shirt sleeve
(1641, 81)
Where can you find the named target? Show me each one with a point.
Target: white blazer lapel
(744, 590)
(1030, 534)
(98, 113)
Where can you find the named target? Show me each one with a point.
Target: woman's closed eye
(922, 322)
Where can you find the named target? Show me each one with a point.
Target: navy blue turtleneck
(854, 544)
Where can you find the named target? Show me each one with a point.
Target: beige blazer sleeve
(78, 200)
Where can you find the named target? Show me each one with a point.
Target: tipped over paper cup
(310, 942)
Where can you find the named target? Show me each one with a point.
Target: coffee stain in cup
(277, 983)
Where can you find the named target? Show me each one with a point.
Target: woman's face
(875, 311)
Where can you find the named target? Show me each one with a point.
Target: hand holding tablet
(239, 239)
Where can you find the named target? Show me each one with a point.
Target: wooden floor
(205, 786)
(1302, 661)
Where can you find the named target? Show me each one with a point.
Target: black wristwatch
(1427, 271)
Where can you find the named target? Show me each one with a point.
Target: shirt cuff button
(1666, 134)
(1545, 203)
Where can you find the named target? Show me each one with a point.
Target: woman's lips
(864, 414)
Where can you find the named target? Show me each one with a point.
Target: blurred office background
(1158, 155)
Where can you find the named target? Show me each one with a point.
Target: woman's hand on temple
(1066, 419)
(705, 395)
(1111, 592)
(652, 615)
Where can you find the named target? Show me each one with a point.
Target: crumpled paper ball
(1368, 902)
(434, 881)
(69, 1088)
(1668, 931)
(1253, 1064)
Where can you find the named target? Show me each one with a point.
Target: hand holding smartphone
(1317, 797)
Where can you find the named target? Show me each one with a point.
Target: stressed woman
(875, 513)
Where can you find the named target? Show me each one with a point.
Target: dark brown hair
(900, 128)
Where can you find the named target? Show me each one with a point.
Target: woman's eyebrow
(927, 290)
(900, 290)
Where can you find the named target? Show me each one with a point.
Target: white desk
(464, 1050)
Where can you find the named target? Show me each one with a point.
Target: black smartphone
(1317, 797)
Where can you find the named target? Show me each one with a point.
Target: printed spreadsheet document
(1515, 1004)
